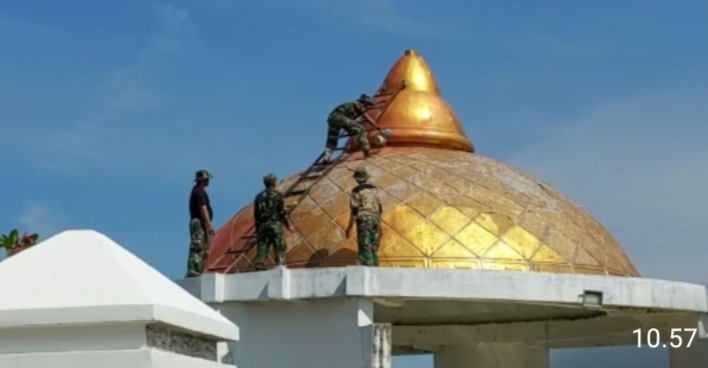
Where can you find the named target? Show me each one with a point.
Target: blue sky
(108, 108)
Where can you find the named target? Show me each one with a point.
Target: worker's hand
(210, 229)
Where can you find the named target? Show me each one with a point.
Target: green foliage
(13, 243)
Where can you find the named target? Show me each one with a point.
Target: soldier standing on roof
(366, 213)
(269, 214)
(345, 117)
(201, 227)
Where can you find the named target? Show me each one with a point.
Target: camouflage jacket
(365, 200)
(269, 207)
(352, 110)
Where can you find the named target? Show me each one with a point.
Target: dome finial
(418, 115)
(415, 71)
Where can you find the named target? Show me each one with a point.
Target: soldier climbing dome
(346, 117)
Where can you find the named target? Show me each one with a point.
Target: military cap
(361, 174)
(202, 175)
(365, 99)
(270, 178)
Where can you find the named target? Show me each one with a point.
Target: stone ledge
(166, 339)
(450, 284)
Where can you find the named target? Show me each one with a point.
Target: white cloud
(110, 131)
(383, 15)
(641, 167)
(133, 85)
(395, 17)
(40, 218)
(136, 123)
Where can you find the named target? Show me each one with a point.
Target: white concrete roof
(83, 277)
(449, 284)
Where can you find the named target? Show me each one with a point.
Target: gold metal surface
(412, 68)
(442, 209)
(418, 115)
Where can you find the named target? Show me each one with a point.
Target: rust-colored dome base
(442, 209)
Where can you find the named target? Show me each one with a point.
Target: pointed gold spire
(418, 115)
(415, 71)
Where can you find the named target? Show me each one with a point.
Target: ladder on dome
(310, 177)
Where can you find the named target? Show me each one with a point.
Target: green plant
(13, 243)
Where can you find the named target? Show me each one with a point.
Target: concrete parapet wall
(528, 287)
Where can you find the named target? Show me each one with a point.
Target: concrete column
(382, 345)
(492, 356)
(692, 357)
(336, 332)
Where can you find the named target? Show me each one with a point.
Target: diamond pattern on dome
(442, 209)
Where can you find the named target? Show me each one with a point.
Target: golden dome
(444, 207)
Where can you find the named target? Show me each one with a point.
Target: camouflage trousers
(198, 248)
(336, 123)
(368, 233)
(270, 234)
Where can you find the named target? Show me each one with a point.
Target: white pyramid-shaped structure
(82, 276)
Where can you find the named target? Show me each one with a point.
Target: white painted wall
(448, 284)
(324, 333)
(143, 358)
(54, 339)
(88, 346)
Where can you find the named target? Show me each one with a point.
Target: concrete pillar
(337, 332)
(691, 357)
(382, 346)
(492, 356)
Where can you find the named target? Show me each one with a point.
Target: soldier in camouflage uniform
(345, 117)
(366, 212)
(269, 214)
(201, 227)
